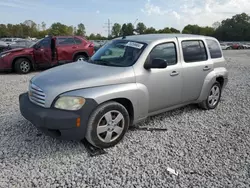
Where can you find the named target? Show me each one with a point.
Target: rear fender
(210, 80)
(79, 52)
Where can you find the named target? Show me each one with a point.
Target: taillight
(91, 45)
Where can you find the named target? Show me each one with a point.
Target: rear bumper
(56, 123)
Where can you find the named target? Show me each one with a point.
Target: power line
(108, 26)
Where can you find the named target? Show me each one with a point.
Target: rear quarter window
(77, 41)
(214, 48)
(65, 41)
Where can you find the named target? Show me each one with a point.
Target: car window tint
(166, 51)
(194, 51)
(66, 41)
(45, 42)
(214, 48)
(77, 41)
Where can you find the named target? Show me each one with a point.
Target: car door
(42, 52)
(164, 85)
(66, 47)
(196, 66)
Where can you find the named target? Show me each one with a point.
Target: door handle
(206, 68)
(74, 47)
(174, 73)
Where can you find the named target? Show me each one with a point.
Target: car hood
(80, 75)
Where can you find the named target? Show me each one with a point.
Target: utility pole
(135, 22)
(108, 26)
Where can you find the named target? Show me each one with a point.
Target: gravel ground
(206, 148)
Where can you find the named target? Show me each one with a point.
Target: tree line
(236, 28)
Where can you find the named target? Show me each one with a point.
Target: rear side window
(77, 41)
(65, 41)
(214, 49)
(194, 51)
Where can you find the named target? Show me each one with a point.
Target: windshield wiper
(103, 62)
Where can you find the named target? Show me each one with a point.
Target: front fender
(136, 93)
(210, 80)
(28, 56)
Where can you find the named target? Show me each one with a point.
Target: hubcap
(214, 96)
(25, 66)
(110, 126)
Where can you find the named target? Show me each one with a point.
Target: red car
(236, 46)
(48, 52)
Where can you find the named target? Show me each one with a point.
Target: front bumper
(57, 123)
(4, 66)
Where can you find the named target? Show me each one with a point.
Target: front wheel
(213, 98)
(107, 125)
(22, 66)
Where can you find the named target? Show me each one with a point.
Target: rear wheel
(22, 66)
(213, 98)
(107, 125)
(81, 58)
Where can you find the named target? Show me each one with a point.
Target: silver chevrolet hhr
(127, 80)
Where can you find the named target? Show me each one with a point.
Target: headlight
(69, 103)
(3, 55)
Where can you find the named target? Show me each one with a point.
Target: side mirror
(156, 63)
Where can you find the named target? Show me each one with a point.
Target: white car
(246, 46)
(3, 44)
(225, 47)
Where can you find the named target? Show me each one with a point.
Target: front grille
(36, 95)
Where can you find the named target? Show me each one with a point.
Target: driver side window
(45, 43)
(166, 51)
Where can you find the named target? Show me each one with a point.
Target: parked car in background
(237, 46)
(21, 44)
(118, 87)
(97, 45)
(47, 52)
(225, 46)
(10, 41)
(246, 46)
(3, 46)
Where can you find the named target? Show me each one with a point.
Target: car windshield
(118, 53)
(33, 44)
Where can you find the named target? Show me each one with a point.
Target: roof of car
(148, 38)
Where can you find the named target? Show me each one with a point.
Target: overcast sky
(95, 13)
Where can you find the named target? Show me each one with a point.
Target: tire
(22, 66)
(109, 133)
(209, 103)
(81, 58)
